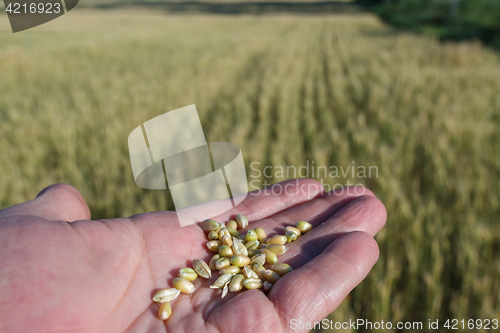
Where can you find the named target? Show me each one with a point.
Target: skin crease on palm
(99, 276)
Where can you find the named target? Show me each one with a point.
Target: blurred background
(409, 86)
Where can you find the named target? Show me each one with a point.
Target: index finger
(257, 205)
(276, 198)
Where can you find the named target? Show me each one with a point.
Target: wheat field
(339, 90)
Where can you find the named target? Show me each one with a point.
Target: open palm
(99, 276)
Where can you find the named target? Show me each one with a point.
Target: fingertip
(358, 244)
(382, 212)
(378, 214)
(367, 212)
(323, 282)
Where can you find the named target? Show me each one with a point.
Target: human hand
(99, 276)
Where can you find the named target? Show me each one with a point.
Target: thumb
(58, 202)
